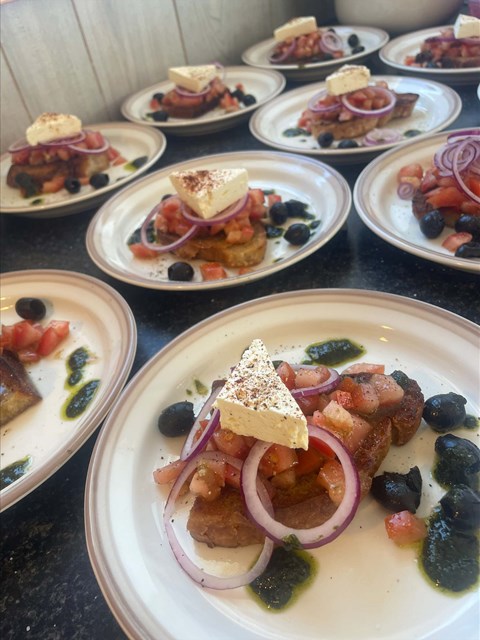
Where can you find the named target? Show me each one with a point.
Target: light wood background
(86, 56)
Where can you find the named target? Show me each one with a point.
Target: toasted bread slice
(17, 391)
(191, 111)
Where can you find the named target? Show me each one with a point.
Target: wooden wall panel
(15, 117)
(283, 11)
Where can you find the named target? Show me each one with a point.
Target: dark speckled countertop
(48, 589)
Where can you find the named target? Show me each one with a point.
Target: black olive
(445, 411)
(99, 180)
(248, 100)
(31, 308)
(462, 506)
(180, 271)
(411, 133)
(325, 139)
(358, 49)
(177, 419)
(158, 96)
(295, 208)
(468, 250)
(72, 185)
(353, 40)
(27, 184)
(398, 491)
(347, 144)
(469, 224)
(423, 56)
(139, 162)
(279, 212)
(159, 116)
(166, 196)
(458, 461)
(297, 234)
(432, 224)
(238, 94)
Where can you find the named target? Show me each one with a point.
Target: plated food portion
(218, 221)
(67, 345)
(448, 53)
(313, 55)
(202, 99)
(61, 167)
(353, 115)
(425, 198)
(212, 542)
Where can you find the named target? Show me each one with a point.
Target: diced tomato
(332, 478)
(473, 184)
(455, 240)
(155, 104)
(212, 271)
(410, 170)
(344, 398)
(169, 472)
(256, 196)
(232, 476)
(61, 327)
(231, 443)
(139, 250)
(311, 377)
(338, 417)
(364, 367)
(53, 335)
(206, 482)
(272, 198)
(445, 197)
(429, 181)
(243, 270)
(53, 185)
(112, 153)
(25, 334)
(277, 459)
(6, 339)
(119, 161)
(287, 374)
(405, 528)
(94, 139)
(321, 446)
(308, 404)
(365, 398)
(308, 461)
(361, 428)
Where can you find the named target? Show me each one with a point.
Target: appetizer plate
(371, 38)
(130, 140)
(100, 321)
(146, 589)
(292, 177)
(437, 107)
(390, 217)
(394, 53)
(264, 85)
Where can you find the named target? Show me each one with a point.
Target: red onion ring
(330, 42)
(200, 576)
(88, 152)
(283, 56)
(405, 190)
(164, 248)
(324, 387)
(434, 39)
(307, 538)
(66, 142)
(381, 136)
(315, 106)
(458, 175)
(465, 133)
(21, 145)
(374, 113)
(192, 447)
(222, 217)
(444, 157)
(190, 94)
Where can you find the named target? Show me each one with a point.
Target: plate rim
(115, 599)
(309, 66)
(157, 136)
(165, 285)
(358, 151)
(463, 264)
(26, 484)
(169, 127)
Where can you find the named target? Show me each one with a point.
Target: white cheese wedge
(466, 27)
(208, 192)
(50, 126)
(295, 27)
(350, 77)
(255, 402)
(193, 79)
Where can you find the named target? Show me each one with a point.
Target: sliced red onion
(381, 136)
(192, 446)
(222, 217)
(200, 576)
(90, 152)
(330, 42)
(374, 113)
(283, 56)
(191, 94)
(314, 104)
(324, 387)
(20, 145)
(457, 172)
(435, 39)
(65, 142)
(164, 248)
(465, 133)
(315, 536)
(405, 190)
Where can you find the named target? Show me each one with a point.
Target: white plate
(362, 573)
(437, 107)
(129, 139)
(264, 85)
(101, 321)
(390, 217)
(394, 53)
(292, 177)
(371, 38)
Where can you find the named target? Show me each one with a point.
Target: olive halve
(468, 250)
(398, 491)
(297, 234)
(278, 213)
(177, 419)
(469, 224)
(461, 505)
(31, 308)
(432, 224)
(445, 411)
(182, 271)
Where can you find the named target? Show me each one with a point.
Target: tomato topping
(212, 271)
(405, 528)
(413, 170)
(139, 250)
(229, 442)
(277, 459)
(25, 334)
(455, 240)
(308, 461)
(170, 472)
(53, 335)
(53, 185)
(446, 197)
(332, 478)
(287, 375)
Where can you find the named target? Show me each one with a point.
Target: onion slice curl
(371, 113)
(192, 445)
(222, 217)
(164, 248)
(324, 387)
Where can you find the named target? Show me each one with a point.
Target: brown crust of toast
(17, 391)
(182, 111)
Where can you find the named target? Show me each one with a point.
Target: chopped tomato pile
(217, 89)
(441, 51)
(32, 341)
